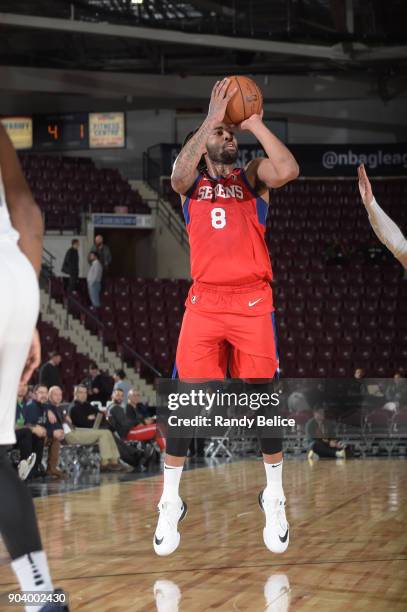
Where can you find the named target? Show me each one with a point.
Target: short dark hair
(120, 373)
(74, 241)
(54, 354)
(93, 366)
(38, 386)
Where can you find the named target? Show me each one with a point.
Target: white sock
(274, 475)
(33, 574)
(172, 477)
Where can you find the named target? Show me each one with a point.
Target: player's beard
(222, 155)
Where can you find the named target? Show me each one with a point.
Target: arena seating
(66, 187)
(74, 366)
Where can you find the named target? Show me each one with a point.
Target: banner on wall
(123, 221)
(20, 131)
(320, 160)
(106, 130)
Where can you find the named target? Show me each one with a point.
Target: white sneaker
(277, 593)
(26, 465)
(276, 534)
(167, 596)
(167, 537)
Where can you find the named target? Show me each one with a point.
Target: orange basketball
(247, 101)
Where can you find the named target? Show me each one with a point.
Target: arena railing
(86, 313)
(47, 272)
(46, 276)
(152, 175)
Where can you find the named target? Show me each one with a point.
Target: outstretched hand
(219, 99)
(365, 187)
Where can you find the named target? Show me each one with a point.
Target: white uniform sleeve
(386, 230)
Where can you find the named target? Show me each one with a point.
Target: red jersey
(226, 224)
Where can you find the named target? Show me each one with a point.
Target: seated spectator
(97, 385)
(36, 418)
(134, 404)
(395, 393)
(26, 441)
(50, 374)
(120, 382)
(82, 435)
(320, 441)
(55, 431)
(131, 425)
(82, 413)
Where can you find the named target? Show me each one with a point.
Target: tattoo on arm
(188, 159)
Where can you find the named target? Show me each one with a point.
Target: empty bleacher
(67, 187)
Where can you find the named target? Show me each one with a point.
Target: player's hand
(249, 123)
(219, 100)
(33, 360)
(365, 187)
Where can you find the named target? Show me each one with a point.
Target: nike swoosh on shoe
(283, 539)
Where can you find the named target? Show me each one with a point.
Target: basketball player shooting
(21, 232)
(228, 323)
(385, 229)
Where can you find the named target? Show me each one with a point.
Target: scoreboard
(67, 131)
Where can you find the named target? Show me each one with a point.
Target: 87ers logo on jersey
(205, 192)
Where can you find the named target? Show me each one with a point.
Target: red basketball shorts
(228, 331)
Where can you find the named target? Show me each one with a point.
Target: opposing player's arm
(384, 227)
(279, 167)
(185, 171)
(24, 212)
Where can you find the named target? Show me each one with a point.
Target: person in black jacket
(82, 413)
(50, 375)
(70, 265)
(98, 385)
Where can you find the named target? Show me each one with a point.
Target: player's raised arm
(24, 212)
(185, 171)
(384, 228)
(280, 166)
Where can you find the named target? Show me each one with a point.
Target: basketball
(247, 101)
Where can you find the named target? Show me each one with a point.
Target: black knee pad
(270, 435)
(178, 447)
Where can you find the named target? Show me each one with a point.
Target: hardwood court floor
(348, 545)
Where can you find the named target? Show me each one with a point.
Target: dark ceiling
(326, 23)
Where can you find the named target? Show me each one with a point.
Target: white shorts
(19, 306)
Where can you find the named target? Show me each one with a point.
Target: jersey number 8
(218, 216)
